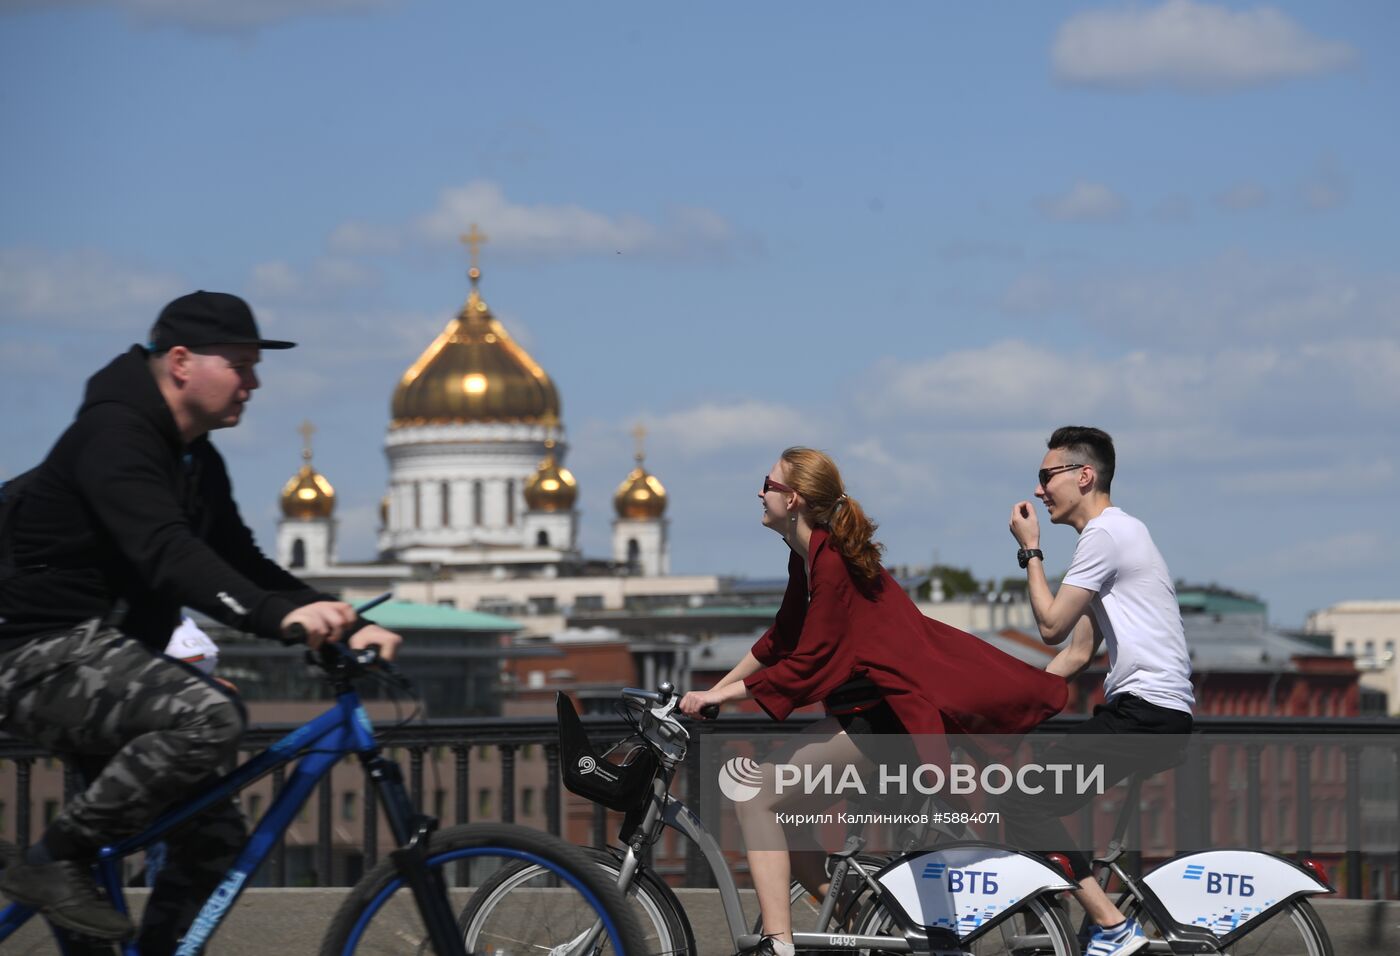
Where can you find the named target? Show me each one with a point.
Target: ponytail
(814, 476)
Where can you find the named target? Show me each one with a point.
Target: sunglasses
(770, 485)
(1045, 474)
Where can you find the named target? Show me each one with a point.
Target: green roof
(410, 616)
(1212, 602)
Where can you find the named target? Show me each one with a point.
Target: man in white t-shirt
(1117, 592)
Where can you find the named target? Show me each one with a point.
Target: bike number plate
(1221, 890)
(961, 888)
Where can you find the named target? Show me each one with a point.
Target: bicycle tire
(1014, 936)
(1303, 933)
(380, 916)
(666, 930)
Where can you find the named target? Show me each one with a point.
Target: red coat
(937, 679)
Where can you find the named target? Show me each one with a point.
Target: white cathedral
(480, 510)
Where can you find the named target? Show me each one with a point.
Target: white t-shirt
(1136, 609)
(190, 644)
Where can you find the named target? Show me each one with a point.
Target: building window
(347, 805)
(510, 502)
(477, 496)
(634, 552)
(483, 803)
(50, 811)
(439, 803)
(446, 491)
(255, 807)
(542, 539)
(298, 553)
(527, 802)
(417, 505)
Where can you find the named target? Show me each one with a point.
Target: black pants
(1112, 737)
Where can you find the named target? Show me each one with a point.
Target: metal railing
(1192, 789)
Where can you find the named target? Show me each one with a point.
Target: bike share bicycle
(403, 904)
(1232, 901)
(921, 901)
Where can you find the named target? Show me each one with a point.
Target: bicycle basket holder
(619, 779)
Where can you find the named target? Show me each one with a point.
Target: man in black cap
(130, 518)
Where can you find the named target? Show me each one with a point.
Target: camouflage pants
(147, 731)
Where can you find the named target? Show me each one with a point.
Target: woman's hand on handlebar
(372, 635)
(320, 621)
(692, 703)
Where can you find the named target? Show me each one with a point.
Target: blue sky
(919, 236)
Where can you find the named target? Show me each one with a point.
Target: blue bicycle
(405, 904)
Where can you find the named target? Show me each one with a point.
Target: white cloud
(712, 426)
(1084, 202)
(1338, 552)
(1231, 298)
(1318, 478)
(539, 230)
(326, 279)
(1243, 197)
(215, 15)
(1189, 45)
(84, 289)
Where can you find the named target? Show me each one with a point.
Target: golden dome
(640, 496)
(308, 494)
(474, 372)
(552, 487)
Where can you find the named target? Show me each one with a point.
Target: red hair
(814, 476)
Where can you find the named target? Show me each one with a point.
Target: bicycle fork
(413, 832)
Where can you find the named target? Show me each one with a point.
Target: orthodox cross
(307, 430)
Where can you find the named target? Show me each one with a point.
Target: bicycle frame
(321, 743)
(663, 810)
(1177, 937)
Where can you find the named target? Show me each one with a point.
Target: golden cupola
(640, 496)
(308, 495)
(552, 487)
(474, 372)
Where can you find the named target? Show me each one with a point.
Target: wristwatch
(1023, 556)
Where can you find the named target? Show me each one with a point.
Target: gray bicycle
(962, 897)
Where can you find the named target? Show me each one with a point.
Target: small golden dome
(474, 372)
(640, 496)
(552, 487)
(308, 494)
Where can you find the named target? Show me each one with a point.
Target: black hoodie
(122, 513)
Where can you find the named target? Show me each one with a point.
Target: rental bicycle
(1231, 901)
(938, 901)
(403, 905)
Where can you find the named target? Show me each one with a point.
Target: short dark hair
(1091, 446)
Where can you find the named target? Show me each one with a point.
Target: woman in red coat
(844, 619)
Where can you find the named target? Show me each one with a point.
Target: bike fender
(1220, 890)
(962, 887)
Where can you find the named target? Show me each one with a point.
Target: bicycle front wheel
(507, 911)
(1037, 928)
(380, 916)
(1295, 930)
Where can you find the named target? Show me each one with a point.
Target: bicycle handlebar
(664, 695)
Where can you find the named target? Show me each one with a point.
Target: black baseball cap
(208, 318)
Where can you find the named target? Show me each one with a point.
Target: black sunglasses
(1045, 474)
(770, 485)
